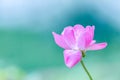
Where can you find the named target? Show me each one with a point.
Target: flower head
(76, 40)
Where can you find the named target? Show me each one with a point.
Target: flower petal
(81, 42)
(72, 57)
(78, 30)
(84, 36)
(89, 34)
(60, 41)
(68, 35)
(97, 46)
(66, 29)
(90, 29)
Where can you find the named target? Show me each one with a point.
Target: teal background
(27, 47)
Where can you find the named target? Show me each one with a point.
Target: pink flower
(76, 40)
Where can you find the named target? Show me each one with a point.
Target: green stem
(86, 70)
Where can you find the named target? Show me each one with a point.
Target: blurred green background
(27, 47)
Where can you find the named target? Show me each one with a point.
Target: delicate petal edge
(97, 46)
(60, 41)
(72, 57)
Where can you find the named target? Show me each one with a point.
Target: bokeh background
(27, 47)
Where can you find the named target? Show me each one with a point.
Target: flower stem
(86, 70)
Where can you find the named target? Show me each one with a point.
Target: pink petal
(72, 57)
(60, 41)
(67, 29)
(90, 29)
(84, 36)
(81, 42)
(78, 30)
(68, 36)
(92, 42)
(89, 34)
(97, 46)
